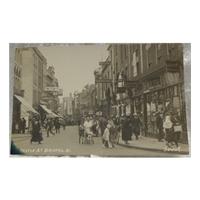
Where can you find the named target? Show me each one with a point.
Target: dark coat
(102, 124)
(159, 122)
(36, 132)
(126, 129)
(136, 125)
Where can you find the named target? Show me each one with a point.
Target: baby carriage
(88, 136)
(172, 137)
(170, 133)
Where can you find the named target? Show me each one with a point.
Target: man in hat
(136, 125)
(159, 124)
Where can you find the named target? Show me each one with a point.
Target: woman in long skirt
(36, 132)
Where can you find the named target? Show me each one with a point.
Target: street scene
(110, 100)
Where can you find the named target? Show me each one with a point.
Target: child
(106, 136)
(81, 134)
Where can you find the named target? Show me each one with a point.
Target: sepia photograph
(103, 100)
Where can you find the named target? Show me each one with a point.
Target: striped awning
(48, 111)
(27, 106)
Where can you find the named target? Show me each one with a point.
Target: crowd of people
(168, 128)
(109, 129)
(19, 126)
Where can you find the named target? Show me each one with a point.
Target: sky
(74, 64)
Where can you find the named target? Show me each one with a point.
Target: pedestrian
(159, 125)
(17, 127)
(49, 126)
(88, 135)
(113, 133)
(102, 123)
(23, 125)
(57, 125)
(167, 125)
(106, 137)
(153, 123)
(126, 129)
(98, 129)
(81, 133)
(36, 131)
(94, 126)
(20, 125)
(116, 121)
(177, 128)
(136, 125)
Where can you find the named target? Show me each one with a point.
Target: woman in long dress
(36, 131)
(167, 125)
(126, 129)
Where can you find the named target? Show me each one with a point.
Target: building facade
(51, 90)
(146, 79)
(34, 64)
(87, 100)
(28, 83)
(17, 88)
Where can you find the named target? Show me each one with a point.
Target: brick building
(146, 78)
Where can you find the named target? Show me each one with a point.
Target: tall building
(146, 79)
(87, 100)
(104, 86)
(34, 64)
(51, 90)
(17, 87)
(67, 105)
(28, 83)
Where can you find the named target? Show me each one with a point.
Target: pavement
(152, 144)
(66, 144)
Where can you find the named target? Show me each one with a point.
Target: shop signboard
(176, 102)
(128, 109)
(51, 89)
(54, 90)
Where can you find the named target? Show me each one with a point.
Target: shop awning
(48, 111)
(28, 107)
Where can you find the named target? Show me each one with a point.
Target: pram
(88, 137)
(172, 137)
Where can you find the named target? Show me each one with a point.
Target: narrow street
(66, 144)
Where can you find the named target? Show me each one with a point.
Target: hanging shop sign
(54, 90)
(128, 109)
(98, 80)
(51, 89)
(176, 102)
